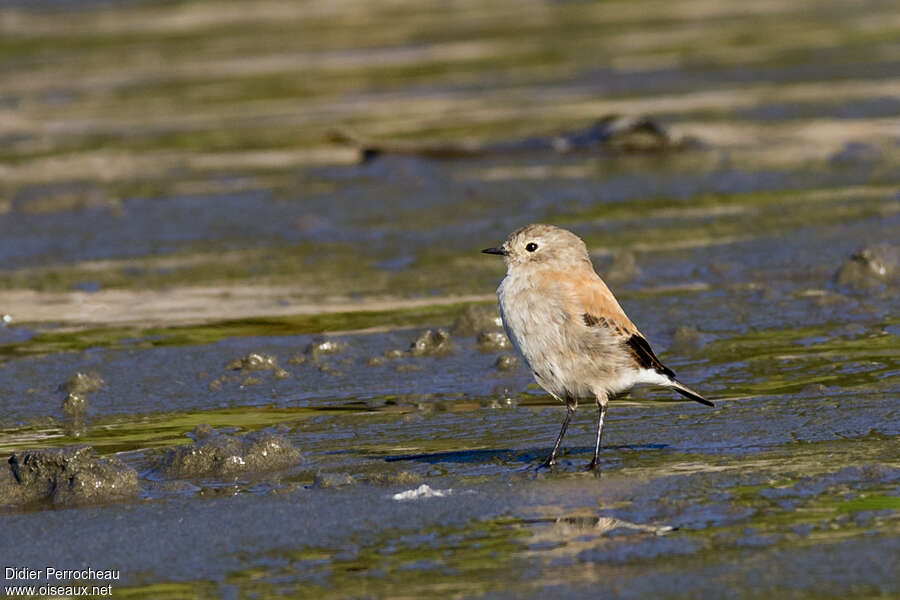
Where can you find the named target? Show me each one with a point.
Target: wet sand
(218, 315)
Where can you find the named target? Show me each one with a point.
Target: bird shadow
(508, 455)
(471, 456)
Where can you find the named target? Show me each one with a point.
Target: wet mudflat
(249, 357)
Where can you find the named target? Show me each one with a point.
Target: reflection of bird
(572, 332)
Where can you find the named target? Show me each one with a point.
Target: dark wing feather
(644, 357)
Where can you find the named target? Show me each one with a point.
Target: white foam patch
(423, 491)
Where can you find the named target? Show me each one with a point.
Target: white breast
(535, 325)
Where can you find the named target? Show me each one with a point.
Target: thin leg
(570, 410)
(601, 413)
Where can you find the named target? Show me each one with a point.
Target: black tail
(644, 357)
(689, 393)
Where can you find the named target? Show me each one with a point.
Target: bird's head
(543, 246)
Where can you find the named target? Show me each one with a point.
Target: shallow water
(158, 223)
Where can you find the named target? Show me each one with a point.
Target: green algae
(136, 337)
(808, 521)
(773, 361)
(197, 590)
(640, 222)
(818, 199)
(453, 561)
(110, 435)
(325, 270)
(547, 47)
(869, 502)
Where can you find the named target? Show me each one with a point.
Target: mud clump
(70, 476)
(75, 402)
(399, 478)
(75, 406)
(506, 362)
(492, 341)
(332, 480)
(322, 347)
(622, 269)
(257, 361)
(485, 323)
(855, 153)
(82, 383)
(872, 267)
(249, 367)
(329, 370)
(432, 343)
(477, 319)
(254, 361)
(316, 352)
(215, 454)
(686, 339)
(318, 349)
(814, 389)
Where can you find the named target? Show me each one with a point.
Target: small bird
(576, 339)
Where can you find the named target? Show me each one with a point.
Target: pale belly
(563, 361)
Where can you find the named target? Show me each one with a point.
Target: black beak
(498, 250)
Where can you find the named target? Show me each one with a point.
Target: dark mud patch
(318, 351)
(215, 454)
(872, 267)
(391, 478)
(75, 403)
(320, 348)
(507, 362)
(257, 361)
(622, 268)
(432, 343)
(249, 367)
(492, 341)
(68, 476)
(612, 133)
(331, 480)
(476, 318)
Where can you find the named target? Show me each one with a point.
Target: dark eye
(531, 247)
